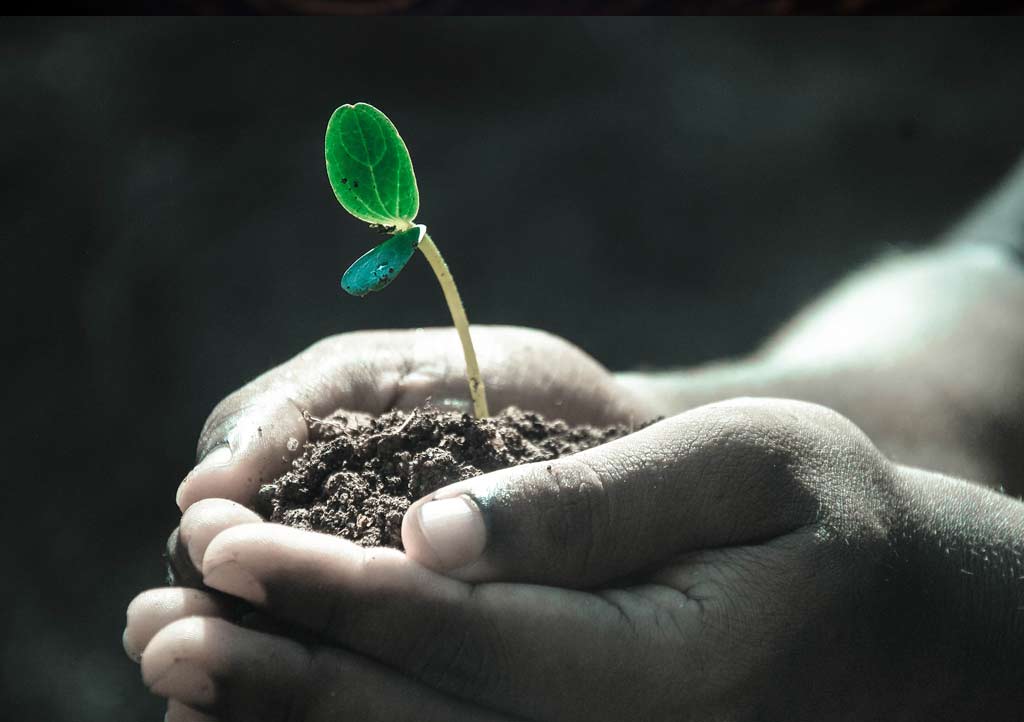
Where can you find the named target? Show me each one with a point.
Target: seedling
(371, 174)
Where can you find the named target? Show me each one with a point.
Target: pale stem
(451, 295)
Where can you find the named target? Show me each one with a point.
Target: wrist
(915, 414)
(674, 391)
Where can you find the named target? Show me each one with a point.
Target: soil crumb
(356, 479)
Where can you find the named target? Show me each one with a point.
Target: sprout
(371, 174)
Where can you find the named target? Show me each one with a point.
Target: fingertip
(137, 632)
(415, 544)
(165, 645)
(250, 560)
(226, 565)
(214, 475)
(172, 663)
(228, 545)
(207, 518)
(131, 648)
(260, 444)
(255, 543)
(445, 534)
(152, 610)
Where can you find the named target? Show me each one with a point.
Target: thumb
(714, 476)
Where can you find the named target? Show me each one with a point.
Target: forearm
(997, 221)
(924, 351)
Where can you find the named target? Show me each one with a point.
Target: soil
(356, 480)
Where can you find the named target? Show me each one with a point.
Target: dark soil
(357, 480)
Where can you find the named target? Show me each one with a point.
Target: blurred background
(660, 192)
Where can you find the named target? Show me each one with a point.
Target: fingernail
(127, 639)
(182, 680)
(133, 654)
(229, 577)
(217, 457)
(454, 530)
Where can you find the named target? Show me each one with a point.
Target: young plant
(371, 174)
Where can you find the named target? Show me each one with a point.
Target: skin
(780, 557)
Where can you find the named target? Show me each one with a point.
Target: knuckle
(741, 425)
(331, 347)
(350, 341)
(333, 343)
(785, 451)
(750, 432)
(827, 471)
(528, 333)
(549, 343)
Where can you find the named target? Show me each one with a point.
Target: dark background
(661, 192)
(550, 7)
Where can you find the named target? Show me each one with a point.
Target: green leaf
(369, 167)
(375, 269)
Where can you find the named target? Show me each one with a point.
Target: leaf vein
(373, 174)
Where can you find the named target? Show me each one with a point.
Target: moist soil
(356, 478)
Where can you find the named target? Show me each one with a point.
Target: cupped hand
(738, 561)
(253, 434)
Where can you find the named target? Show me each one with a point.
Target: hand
(253, 434)
(745, 560)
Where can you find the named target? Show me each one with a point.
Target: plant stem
(451, 295)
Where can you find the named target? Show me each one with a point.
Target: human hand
(745, 560)
(254, 433)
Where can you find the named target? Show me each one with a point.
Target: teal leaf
(375, 269)
(369, 167)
